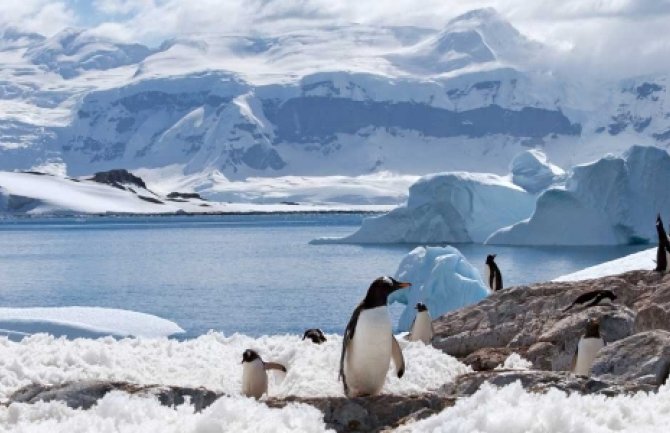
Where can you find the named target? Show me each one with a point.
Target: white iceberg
(453, 207)
(532, 172)
(612, 201)
(83, 322)
(441, 278)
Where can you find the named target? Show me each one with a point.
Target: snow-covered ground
(83, 322)
(34, 194)
(641, 260)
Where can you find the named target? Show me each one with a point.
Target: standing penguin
(493, 275)
(254, 377)
(368, 342)
(422, 326)
(587, 348)
(663, 249)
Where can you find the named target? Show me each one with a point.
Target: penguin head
(421, 307)
(315, 334)
(249, 355)
(489, 258)
(592, 328)
(380, 289)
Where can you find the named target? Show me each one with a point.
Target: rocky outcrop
(532, 320)
(118, 178)
(643, 357)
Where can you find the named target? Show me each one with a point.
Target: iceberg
(83, 322)
(441, 278)
(612, 201)
(532, 172)
(453, 207)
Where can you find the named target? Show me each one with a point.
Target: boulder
(644, 357)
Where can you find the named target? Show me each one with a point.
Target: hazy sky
(632, 36)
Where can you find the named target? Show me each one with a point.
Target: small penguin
(663, 249)
(254, 376)
(493, 275)
(594, 296)
(369, 344)
(316, 335)
(587, 348)
(422, 326)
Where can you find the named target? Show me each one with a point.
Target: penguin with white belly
(422, 326)
(663, 248)
(254, 376)
(493, 275)
(587, 348)
(369, 344)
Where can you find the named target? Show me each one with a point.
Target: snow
(532, 172)
(511, 409)
(515, 362)
(446, 208)
(211, 361)
(612, 201)
(642, 260)
(441, 278)
(86, 322)
(120, 412)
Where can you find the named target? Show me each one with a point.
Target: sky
(632, 36)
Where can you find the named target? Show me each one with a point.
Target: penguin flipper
(346, 339)
(274, 366)
(398, 359)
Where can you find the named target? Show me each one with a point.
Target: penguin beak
(402, 285)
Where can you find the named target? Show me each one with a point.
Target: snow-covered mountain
(346, 100)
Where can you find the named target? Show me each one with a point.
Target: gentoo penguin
(663, 249)
(254, 377)
(595, 297)
(368, 342)
(422, 326)
(587, 348)
(316, 335)
(493, 275)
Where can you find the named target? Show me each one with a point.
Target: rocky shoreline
(528, 320)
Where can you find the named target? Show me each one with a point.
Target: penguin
(422, 326)
(254, 376)
(595, 297)
(663, 249)
(316, 335)
(493, 275)
(587, 348)
(368, 344)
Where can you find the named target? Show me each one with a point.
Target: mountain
(338, 100)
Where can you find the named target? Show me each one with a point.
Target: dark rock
(149, 199)
(184, 195)
(118, 178)
(487, 358)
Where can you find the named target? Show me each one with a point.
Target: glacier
(447, 208)
(441, 278)
(611, 201)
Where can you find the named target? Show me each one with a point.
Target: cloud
(39, 16)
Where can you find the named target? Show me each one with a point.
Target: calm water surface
(255, 274)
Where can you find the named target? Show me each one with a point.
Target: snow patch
(441, 278)
(642, 260)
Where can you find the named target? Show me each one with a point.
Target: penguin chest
(369, 354)
(422, 330)
(587, 350)
(254, 379)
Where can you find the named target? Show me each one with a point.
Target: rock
(644, 357)
(84, 394)
(543, 381)
(184, 195)
(488, 358)
(371, 413)
(531, 319)
(118, 178)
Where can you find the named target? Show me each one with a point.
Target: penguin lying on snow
(254, 376)
(368, 342)
(587, 348)
(316, 335)
(595, 297)
(663, 249)
(422, 326)
(493, 275)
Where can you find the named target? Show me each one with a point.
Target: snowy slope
(614, 200)
(83, 322)
(641, 260)
(338, 100)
